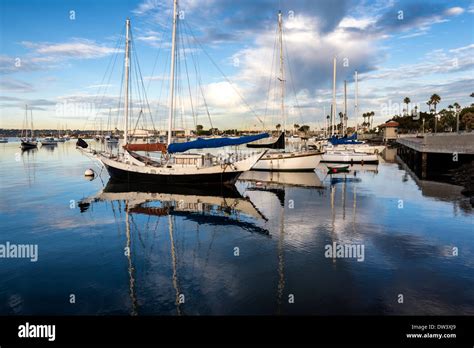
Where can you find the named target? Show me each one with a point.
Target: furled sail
(344, 140)
(212, 143)
(278, 144)
(146, 147)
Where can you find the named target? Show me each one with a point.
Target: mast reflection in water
(256, 248)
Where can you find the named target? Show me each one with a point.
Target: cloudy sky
(64, 59)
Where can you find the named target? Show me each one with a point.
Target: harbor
(251, 167)
(185, 242)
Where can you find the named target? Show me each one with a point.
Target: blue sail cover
(344, 141)
(201, 143)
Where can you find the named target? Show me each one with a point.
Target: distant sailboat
(28, 142)
(285, 160)
(174, 166)
(347, 149)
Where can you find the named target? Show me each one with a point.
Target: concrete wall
(448, 143)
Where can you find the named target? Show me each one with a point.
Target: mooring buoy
(89, 172)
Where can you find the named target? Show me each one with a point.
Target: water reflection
(126, 249)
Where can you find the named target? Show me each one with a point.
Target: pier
(433, 156)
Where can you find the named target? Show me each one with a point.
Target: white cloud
(454, 11)
(15, 86)
(77, 49)
(359, 23)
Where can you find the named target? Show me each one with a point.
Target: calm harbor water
(258, 249)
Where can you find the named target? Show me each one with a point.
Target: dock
(433, 156)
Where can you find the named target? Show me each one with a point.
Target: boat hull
(353, 157)
(289, 162)
(28, 145)
(226, 178)
(372, 149)
(132, 170)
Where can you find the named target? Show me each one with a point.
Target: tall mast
(26, 122)
(282, 70)
(31, 120)
(127, 73)
(356, 105)
(333, 114)
(173, 49)
(344, 120)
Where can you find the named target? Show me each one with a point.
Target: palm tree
(407, 102)
(457, 107)
(372, 113)
(327, 123)
(295, 126)
(435, 99)
(278, 126)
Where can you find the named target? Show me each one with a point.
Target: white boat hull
(129, 168)
(362, 148)
(349, 157)
(289, 161)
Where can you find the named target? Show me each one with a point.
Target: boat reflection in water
(220, 206)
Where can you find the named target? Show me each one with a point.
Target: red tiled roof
(390, 124)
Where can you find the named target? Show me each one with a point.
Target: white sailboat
(49, 141)
(173, 167)
(284, 160)
(28, 142)
(340, 156)
(344, 149)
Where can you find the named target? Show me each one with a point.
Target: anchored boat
(173, 166)
(290, 161)
(28, 142)
(349, 157)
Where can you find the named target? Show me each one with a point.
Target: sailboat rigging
(173, 166)
(285, 160)
(28, 142)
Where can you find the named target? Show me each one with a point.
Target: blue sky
(57, 65)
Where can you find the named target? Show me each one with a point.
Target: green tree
(435, 99)
(295, 128)
(468, 121)
(407, 101)
(304, 128)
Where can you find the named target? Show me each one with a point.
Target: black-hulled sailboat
(174, 166)
(28, 142)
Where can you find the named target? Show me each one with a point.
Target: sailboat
(28, 143)
(174, 166)
(290, 161)
(60, 139)
(347, 149)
